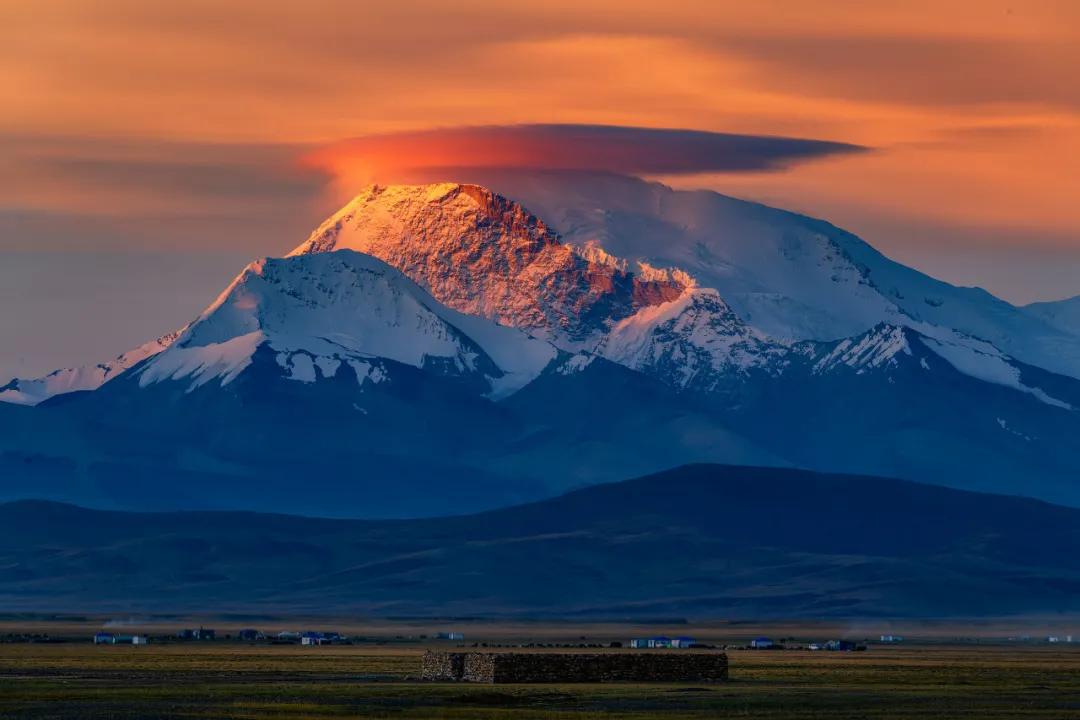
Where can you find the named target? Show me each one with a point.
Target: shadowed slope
(704, 540)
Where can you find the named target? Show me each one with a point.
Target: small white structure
(107, 638)
(450, 636)
(314, 638)
(661, 641)
(761, 643)
(891, 638)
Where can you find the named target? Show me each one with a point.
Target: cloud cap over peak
(611, 148)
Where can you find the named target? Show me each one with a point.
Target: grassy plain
(941, 677)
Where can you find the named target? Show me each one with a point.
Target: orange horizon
(969, 101)
(220, 133)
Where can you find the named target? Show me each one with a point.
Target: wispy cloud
(152, 195)
(125, 177)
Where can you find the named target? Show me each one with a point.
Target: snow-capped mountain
(483, 255)
(333, 312)
(738, 282)
(885, 346)
(788, 275)
(444, 341)
(694, 342)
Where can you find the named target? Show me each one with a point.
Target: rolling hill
(700, 541)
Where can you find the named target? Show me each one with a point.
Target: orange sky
(191, 114)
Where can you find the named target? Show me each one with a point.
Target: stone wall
(543, 667)
(442, 666)
(482, 667)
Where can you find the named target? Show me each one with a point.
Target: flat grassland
(938, 679)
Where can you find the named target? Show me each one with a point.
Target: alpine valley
(441, 349)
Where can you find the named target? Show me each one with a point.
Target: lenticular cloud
(627, 150)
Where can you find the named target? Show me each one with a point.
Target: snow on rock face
(367, 371)
(691, 341)
(203, 363)
(884, 347)
(982, 361)
(317, 311)
(484, 255)
(575, 364)
(875, 349)
(89, 377)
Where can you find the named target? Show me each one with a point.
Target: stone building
(543, 667)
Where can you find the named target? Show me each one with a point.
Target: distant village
(457, 639)
(252, 635)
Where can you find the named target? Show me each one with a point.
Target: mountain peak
(325, 310)
(482, 254)
(467, 204)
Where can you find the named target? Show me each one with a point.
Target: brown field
(943, 670)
